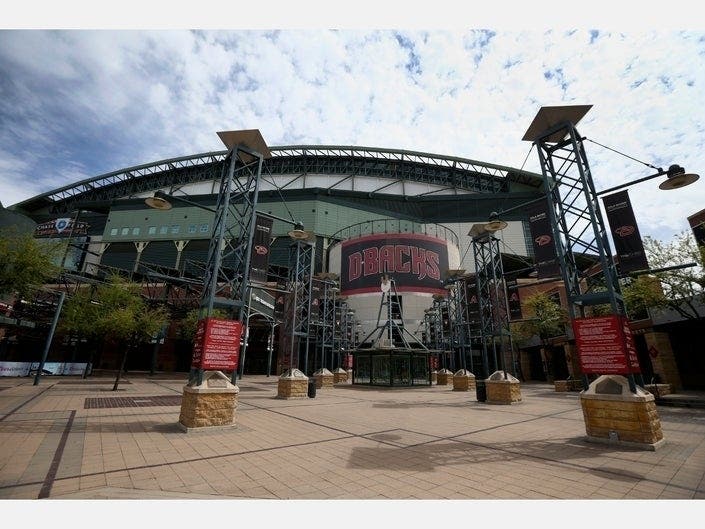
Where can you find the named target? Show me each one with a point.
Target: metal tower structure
(492, 298)
(573, 208)
(324, 322)
(298, 315)
(457, 315)
(392, 329)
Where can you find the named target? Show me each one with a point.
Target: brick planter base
(502, 390)
(444, 377)
(340, 376)
(463, 380)
(615, 415)
(323, 378)
(293, 384)
(209, 404)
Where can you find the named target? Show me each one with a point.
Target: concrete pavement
(69, 438)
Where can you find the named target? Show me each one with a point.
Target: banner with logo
(625, 233)
(473, 302)
(23, 369)
(513, 299)
(414, 261)
(544, 245)
(61, 228)
(259, 260)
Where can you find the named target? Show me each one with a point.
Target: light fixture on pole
(298, 232)
(677, 178)
(495, 223)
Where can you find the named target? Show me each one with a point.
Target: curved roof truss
(445, 171)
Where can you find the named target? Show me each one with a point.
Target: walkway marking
(51, 474)
(26, 402)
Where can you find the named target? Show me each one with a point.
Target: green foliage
(681, 286)
(642, 293)
(25, 262)
(547, 319)
(187, 326)
(79, 314)
(116, 310)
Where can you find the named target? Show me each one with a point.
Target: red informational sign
(348, 361)
(217, 344)
(605, 345)
(433, 360)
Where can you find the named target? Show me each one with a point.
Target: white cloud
(85, 103)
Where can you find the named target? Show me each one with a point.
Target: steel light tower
(492, 298)
(574, 211)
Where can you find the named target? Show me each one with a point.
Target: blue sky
(75, 104)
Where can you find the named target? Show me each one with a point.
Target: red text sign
(605, 345)
(217, 344)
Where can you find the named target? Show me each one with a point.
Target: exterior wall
(367, 305)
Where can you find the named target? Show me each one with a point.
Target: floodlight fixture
(495, 223)
(677, 178)
(298, 233)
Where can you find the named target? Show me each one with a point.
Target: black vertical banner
(260, 249)
(625, 233)
(544, 245)
(513, 299)
(473, 303)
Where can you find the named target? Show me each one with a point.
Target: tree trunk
(122, 366)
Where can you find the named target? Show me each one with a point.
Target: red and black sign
(544, 245)
(625, 233)
(259, 259)
(473, 303)
(513, 299)
(415, 262)
(217, 344)
(605, 345)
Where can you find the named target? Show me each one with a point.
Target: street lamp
(226, 275)
(574, 215)
(491, 294)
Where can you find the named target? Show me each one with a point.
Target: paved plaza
(68, 438)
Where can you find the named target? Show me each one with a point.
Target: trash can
(481, 390)
(311, 388)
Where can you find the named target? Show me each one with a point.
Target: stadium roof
(397, 165)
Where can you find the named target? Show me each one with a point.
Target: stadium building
(368, 211)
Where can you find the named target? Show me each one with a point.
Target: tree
(187, 327)
(116, 311)
(547, 320)
(25, 262)
(682, 288)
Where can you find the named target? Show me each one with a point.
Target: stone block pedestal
(293, 384)
(210, 404)
(501, 390)
(463, 380)
(340, 376)
(615, 415)
(444, 377)
(324, 378)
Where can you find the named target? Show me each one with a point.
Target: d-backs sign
(414, 261)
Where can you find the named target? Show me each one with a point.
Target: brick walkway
(347, 443)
